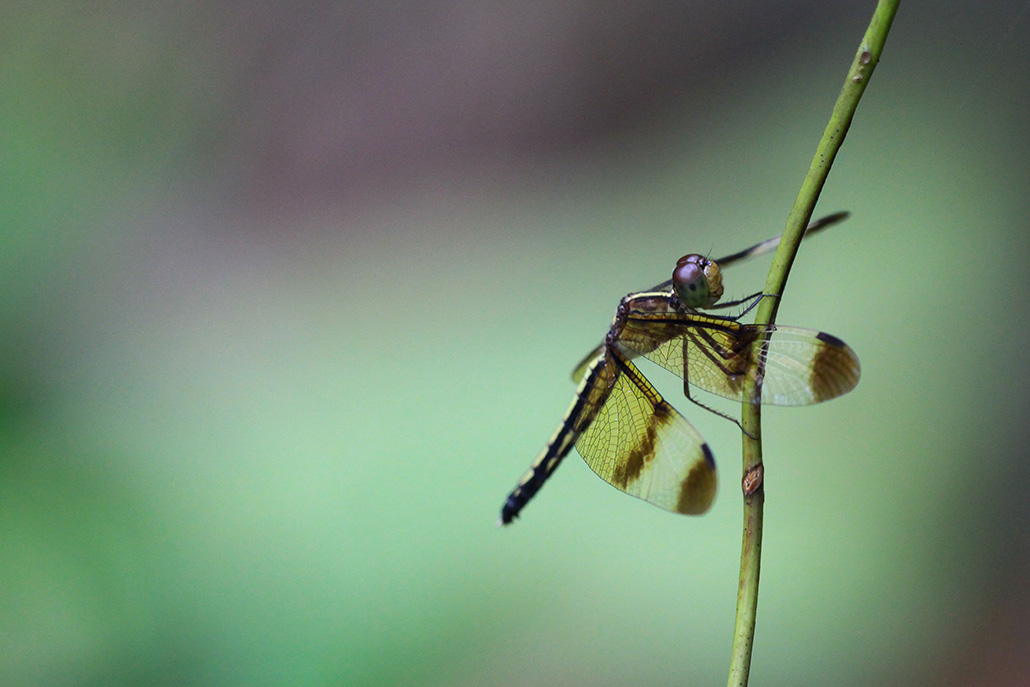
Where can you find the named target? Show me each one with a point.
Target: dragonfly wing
(804, 366)
(799, 366)
(641, 445)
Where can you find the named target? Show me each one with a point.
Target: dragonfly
(632, 437)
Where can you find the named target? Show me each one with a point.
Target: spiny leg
(686, 390)
(755, 299)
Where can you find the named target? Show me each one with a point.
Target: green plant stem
(861, 70)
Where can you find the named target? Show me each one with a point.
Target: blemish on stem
(753, 479)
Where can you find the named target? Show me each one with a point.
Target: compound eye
(690, 282)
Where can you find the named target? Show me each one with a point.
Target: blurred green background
(291, 294)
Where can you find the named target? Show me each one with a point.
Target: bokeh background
(290, 294)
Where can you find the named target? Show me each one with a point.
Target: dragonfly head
(696, 281)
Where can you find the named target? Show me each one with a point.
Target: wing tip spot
(838, 369)
(709, 458)
(697, 490)
(831, 340)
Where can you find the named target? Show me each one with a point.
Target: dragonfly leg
(754, 299)
(686, 392)
(730, 304)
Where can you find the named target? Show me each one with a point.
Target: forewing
(640, 444)
(799, 366)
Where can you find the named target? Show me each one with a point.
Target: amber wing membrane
(798, 366)
(640, 444)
